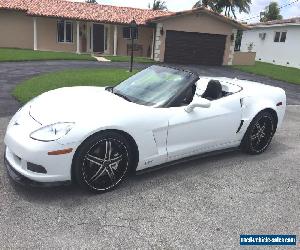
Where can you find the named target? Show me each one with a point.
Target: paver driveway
(13, 73)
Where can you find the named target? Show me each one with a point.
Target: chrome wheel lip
(264, 133)
(119, 179)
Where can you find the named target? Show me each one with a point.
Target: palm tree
(211, 4)
(228, 6)
(158, 5)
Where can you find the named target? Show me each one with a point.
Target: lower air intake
(36, 168)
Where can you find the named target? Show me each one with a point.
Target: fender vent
(240, 127)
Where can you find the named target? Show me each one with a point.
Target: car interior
(214, 91)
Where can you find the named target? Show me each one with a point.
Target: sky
(177, 5)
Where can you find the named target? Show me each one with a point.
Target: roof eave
(201, 10)
(79, 19)
(274, 25)
(13, 9)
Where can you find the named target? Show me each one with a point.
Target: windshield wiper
(110, 89)
(123, 96)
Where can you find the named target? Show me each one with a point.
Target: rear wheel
(259, 133)
(102, 162)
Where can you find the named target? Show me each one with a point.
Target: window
(60, 31)
(283, 37)
(277, 36)
(280, 37)
(69, 32)
(64, 31)
(127, 33)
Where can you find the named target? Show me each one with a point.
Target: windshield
(154, 86)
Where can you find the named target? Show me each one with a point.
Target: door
(204, 129)
(194, 48)
(98, 38)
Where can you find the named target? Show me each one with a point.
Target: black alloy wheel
(102, 162)
(259, 134)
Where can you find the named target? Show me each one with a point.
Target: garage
(194, 48)
(197, 36)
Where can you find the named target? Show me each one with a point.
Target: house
(197, 36)
(58, 25)
(274, 42)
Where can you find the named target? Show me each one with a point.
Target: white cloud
(177, 5)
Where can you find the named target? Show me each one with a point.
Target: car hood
(77, 104)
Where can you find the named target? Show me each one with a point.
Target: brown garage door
(194, 48)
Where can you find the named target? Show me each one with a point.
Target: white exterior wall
(286, 54)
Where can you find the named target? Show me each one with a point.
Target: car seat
(213, 90)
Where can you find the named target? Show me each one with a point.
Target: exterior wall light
(162, 31)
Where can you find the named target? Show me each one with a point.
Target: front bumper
(17, 177)
(22, 151)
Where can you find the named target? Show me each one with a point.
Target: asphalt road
(13, 73)
(204, 204)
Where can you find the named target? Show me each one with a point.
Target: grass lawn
(82, 77)
(14, 55)
(276, 72)
(127, 59)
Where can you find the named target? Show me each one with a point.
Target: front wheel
(102, 162)
(259, 133)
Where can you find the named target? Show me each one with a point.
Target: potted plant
(250, 47)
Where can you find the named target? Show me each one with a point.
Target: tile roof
(82, 11)
(202, 10)
(294, 20)
(14, 5)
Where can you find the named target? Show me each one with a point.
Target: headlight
(52, 132)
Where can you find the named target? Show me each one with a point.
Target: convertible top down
(95, 136)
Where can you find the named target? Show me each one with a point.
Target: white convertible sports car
(95, 136)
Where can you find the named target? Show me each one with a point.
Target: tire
(259, 133)
(102, 162)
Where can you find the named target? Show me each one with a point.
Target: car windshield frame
(180, 79)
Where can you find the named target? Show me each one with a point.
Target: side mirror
(200, 103)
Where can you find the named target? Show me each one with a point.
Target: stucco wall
(200, 23)
(47, 36)
(243, 58)
(286, 54)
(145, 37)
(16, 30)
